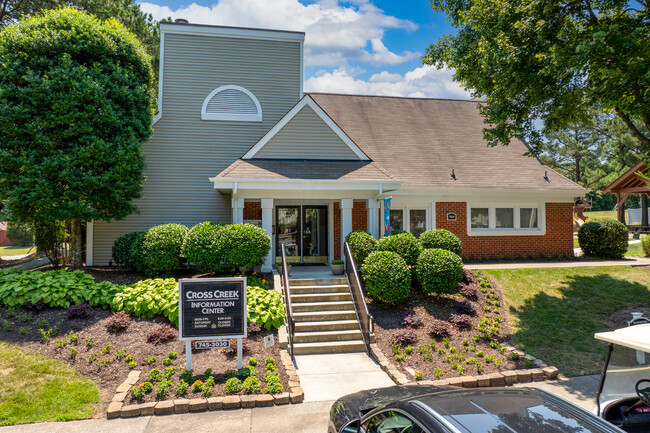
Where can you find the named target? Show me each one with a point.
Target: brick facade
(252, 210)
(359, 216)
(558, 240)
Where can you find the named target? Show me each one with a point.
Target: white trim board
(306, 100)
(232, 32)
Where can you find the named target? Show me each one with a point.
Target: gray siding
(306, 136)
(185, 151)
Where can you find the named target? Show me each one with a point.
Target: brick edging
(117, 409)
(503, 378)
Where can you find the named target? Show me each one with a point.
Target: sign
(269, 341)
(451, 217)
(387, 216)
(212, 344)
(212, 307)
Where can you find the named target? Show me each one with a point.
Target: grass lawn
(611, 214)
(554, 312)
(16, 251)
(35, 388)
(635, 250)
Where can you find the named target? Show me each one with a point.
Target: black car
(419, 408)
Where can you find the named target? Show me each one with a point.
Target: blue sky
(359, 46)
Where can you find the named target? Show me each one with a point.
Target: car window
(390, 422)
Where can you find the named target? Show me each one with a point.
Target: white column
(90, 230)
(346, 220)
(373, 219)
(237, 210)
(267, 225)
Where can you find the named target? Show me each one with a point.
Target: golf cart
(623, 396)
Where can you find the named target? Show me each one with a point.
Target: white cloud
(335, 34)
(423, 82)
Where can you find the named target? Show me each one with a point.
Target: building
(237, 140)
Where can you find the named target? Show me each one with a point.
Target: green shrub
(233, 386)
(603, 238)
(122, 251)
(137, 252)
(244, 244)
(404, 244)
(252, 385)
(265, 307)
(645, 244)
(149, 297)
(441, 238)
(387, 277)
(439, 271)
(21, 234)
(202, 248)
(361, 245)
(162, 248)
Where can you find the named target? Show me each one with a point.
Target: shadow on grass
(559, 327)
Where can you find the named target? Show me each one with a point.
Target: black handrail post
(287, 300)
(356, 290)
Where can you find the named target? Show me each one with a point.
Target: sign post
(212, 310)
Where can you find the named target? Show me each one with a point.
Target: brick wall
(359, 216)
(252, 210)
(4, 240)
(558, 240)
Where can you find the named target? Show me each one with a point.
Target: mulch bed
(433, 355)
(24, 332)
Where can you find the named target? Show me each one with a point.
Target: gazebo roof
(630, 182)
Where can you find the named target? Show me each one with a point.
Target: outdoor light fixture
(546, 176)
(453, 175)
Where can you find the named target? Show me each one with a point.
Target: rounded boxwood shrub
(244, 244)
(201, 247)
(137, 251)
(122, 251)
(439, 271)
(162, 248)
(645, 244)
(387, 277)
(441, 238)
(404, 244)
(603, 238)
(361, 244)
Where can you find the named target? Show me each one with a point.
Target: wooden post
(644, 210)
(620, 213)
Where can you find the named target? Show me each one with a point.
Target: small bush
(162, 248)
(361, 245)
(148, 298)
(265, 307)
(387, 277)
(441, 238)
(404, 244)
(118, 322)
(439, 271)
(181, 387)
(34, 306)
(162, 334)
(461, 321)
(244, 244)
(122, 251)
(252, 362)
(252, 385)
(80, 311)
(438, 328)
(645, 244)
(470, 292)
(202, 247)
(411, 320)
(465, 308)
(233, 386)
(137, 252)
(603, 238)
(404, 337)
(253, 328)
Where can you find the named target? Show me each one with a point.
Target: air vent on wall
(231, 103)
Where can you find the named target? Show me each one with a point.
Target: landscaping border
(117, 409)
(506, 377)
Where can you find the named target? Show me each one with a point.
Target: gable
(306, 132)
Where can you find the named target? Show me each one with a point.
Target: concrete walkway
(583, 263)
(36, 263)
(328, 377)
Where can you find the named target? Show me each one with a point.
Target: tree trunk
(76, 257)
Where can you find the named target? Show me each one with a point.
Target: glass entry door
(303, 231)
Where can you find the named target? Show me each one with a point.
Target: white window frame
(406, 220)
(517, 230)
(227, 116)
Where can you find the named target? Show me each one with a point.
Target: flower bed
(448, 335)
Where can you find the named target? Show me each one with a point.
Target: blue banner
(387, 216)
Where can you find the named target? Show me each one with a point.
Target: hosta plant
(265, 307)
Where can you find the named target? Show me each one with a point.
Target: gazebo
(632, 181)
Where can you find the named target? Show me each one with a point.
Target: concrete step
(324, 316)
(319, 297)
(329, 347)
(299, 307)
(317, 281)
(321, 336)
(334, 288)
(327, 325)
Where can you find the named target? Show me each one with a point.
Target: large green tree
(549, 60)
(75, 108)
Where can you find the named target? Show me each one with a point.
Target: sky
(368, 47)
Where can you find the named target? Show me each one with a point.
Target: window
(396, 219)
(417, 221)
(480, 218)
(505, 219)
(528, 218)
(390, 422)
(233, 103)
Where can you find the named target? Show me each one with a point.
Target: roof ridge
(395, 97)
(383, 170)
(231, 167)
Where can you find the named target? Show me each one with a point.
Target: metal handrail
(356, 290)
(287, 301)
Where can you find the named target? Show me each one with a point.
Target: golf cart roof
(635, 337)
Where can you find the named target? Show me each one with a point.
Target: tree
(549, 60)
(75, 108)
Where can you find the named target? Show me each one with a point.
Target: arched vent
(231, 103)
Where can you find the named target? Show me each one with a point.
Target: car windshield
(626, 367)
(507, 411)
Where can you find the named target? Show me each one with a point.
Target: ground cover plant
(555, 312)
(458, 332)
